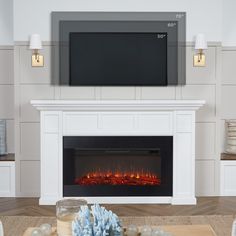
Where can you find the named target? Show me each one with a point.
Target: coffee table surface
(189, 230)
(175, 230)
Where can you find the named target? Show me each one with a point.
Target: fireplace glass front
(117, 166)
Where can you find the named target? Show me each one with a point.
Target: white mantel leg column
(184, 158)
(51, 157)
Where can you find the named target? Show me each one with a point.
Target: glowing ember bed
(119, 179)
(117, 166)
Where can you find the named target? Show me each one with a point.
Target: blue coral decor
(96, 222)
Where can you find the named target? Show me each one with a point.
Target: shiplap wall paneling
(205, 177)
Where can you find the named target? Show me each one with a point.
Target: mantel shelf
(117, 105)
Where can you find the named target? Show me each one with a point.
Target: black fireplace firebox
(117, 166)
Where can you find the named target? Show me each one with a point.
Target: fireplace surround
(66, 122)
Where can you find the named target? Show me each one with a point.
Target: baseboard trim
(128, 200)
(184, 201)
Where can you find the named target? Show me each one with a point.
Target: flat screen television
(118, 59)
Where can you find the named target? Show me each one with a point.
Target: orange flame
(118, 178)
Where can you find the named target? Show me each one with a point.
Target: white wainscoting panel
(6, 102)
(6, 66)
(30, 178)
(28, 92)
(111, 93)
(228, 96)
(158, 92)
(205, 177)
(206, 92)
(30, 141)
(205, 140)
(67, 92)
(228, 67)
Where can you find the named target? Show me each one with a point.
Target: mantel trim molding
(117, 105)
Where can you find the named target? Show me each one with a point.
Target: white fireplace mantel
(175, 118)
(116, 105)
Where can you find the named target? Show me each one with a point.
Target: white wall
(6, 22)
(34, 16)
(229, 23)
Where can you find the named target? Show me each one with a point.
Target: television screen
(103, 59)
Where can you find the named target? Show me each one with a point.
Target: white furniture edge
(11, 181)
(178, 117)
(226, 180)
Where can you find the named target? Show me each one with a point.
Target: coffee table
(175, 230)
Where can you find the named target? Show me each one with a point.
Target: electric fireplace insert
(117, 166)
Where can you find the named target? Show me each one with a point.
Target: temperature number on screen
(171, 24)
(161, 36)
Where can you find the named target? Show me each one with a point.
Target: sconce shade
(200, 42)
(35, 41)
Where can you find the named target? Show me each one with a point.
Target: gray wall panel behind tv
(63, 23)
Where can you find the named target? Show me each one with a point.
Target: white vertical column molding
(51, 156)
(184, 158)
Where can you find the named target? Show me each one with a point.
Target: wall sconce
(35, 45)
(199, 60)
